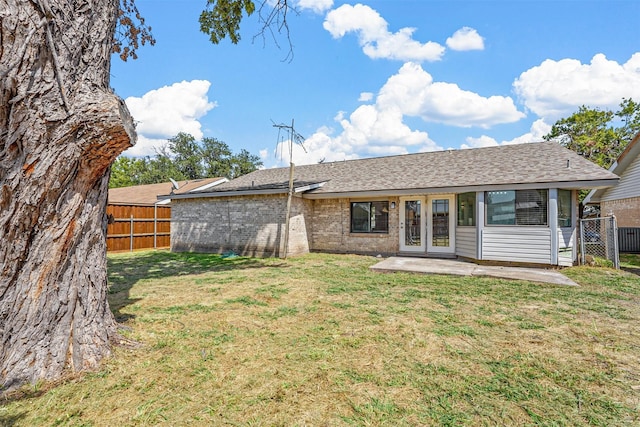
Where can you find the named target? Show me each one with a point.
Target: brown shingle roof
(148, 194)
(544, 162)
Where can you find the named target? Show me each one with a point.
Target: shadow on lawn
(10, 420)
(125, 270)
(633, 270)
(630, 263)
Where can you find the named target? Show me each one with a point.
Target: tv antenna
(298, 139)
(293, 137)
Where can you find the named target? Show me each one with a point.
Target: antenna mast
(299, 139)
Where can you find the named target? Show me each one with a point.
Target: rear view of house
(512, 203)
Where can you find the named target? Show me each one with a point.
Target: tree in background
(183, 159)
(61, 127)
(243, 163)
(598, 135)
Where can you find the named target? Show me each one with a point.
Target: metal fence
(629, 239)
(599, 240)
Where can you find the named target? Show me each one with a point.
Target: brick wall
(250, 225)
(627, 211)
(254, 226)
(331, 230)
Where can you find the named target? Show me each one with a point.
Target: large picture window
(370, 217)
(467, 209)
(517, 207)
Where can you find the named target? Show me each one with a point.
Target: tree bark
(61, 126)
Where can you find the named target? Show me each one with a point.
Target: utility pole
(299, 139)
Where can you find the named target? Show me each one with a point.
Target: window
(370, 217)
(467, 209)
(519, 207)
(564, 208)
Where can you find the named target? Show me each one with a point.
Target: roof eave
(602, 183)
(252, 192)
(231, 193)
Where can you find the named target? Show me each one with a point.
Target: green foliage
(629, 114)
(222, 18)
(243, 163)
(218, 158)
(183, 158)
(598, 135)
(187, 159)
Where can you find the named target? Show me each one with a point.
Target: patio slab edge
(463, 268)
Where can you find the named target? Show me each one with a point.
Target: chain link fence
(599, 241)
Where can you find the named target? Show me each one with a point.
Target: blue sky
(381, 77)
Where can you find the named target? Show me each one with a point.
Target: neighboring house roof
(630, 158)
(148, 194)
(540, 165)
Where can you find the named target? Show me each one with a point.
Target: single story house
(514, 203)
(623, 199)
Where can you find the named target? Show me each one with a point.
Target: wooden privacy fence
(138, 227)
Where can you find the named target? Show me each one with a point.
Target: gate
(629, 239)
(599, 239)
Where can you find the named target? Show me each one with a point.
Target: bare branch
(275, 16)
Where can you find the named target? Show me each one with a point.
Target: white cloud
(367, 132)
(318, 6)
(538, 129)
(162, 113)
(465, 38)
(365, 97)
(379, 128)
(483, 141)
(145, 146)
(555, 89)
(375, 38)
(413, 91)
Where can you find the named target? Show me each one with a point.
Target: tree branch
(276, 17)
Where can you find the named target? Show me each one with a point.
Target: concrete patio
(464, 268)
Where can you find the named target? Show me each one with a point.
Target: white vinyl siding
(566, 247)
(517, 244)
(628, 186)
(466, 242)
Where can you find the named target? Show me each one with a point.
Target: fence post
(155, 225)
(582, 248)
(616, 252)
(131, 234)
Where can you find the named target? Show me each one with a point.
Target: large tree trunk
(61, 126)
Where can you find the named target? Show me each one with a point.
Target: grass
(321, 340)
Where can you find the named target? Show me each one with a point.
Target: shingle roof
(148, 194)
(545, 162)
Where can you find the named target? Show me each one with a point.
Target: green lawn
(321, 340)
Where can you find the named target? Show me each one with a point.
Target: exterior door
(412, 224)
(441, 222)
